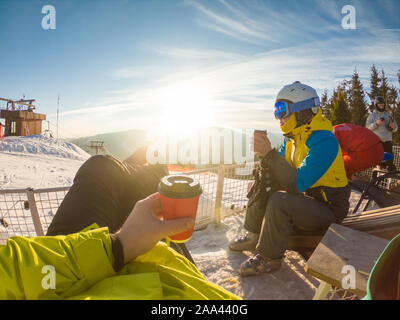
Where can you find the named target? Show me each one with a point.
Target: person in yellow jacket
(309, 188)
(129, 264)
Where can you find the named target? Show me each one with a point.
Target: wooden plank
(343, 246)
(22, 115)
(395, 208)
(322, 291)
(384, 223)
(372, 215)
(377, 221)
(374, 224)
(22, 102)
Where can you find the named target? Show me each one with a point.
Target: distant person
(93, 265)
(383, 125)
(309, 185)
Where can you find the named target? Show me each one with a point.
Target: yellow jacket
(314, 151)
(80, 266)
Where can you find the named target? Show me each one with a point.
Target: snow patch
(42, 145)
(38, 162)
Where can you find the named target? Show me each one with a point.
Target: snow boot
(246, 242)
(257, 265)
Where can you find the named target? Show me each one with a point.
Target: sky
(178, 65)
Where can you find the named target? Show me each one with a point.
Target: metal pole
(58, 104)
(220, 189)
(34, 212)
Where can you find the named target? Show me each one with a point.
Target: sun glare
(184, 109)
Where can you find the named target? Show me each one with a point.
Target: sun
(184, 108)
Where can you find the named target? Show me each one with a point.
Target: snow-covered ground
(41, 162)
(38, 162)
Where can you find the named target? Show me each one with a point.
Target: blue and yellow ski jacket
(310, 160)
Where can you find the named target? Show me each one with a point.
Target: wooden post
(322, 291)
(220, 189)
(34, 212)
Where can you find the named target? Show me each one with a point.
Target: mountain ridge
(122, 144)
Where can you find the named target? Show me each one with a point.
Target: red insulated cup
(179, 199)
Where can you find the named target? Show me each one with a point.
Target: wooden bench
(383, 223)
(340, 248)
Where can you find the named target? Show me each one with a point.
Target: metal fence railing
(386, 183)
(224, 191)
(29, 212)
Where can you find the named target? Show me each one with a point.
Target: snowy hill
(43, 146)
(119, 144)
(38, 162)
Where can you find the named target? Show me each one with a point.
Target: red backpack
(361, 148)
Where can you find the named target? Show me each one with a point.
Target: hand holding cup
(260, 143)
(144, 227)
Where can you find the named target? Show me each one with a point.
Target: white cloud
(245, 29)
(196, 54)
(242, 86)
(243, 90)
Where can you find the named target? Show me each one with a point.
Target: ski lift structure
(20, 118)
(97, 146)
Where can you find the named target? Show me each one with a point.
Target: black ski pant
(284, 213)
(104, 192)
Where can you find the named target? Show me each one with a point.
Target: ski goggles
(283, 109)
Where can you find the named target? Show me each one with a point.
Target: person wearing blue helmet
(308, 179)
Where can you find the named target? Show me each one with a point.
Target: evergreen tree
(358, 106)
(374, 85)
(346, 88)
(394, 104)
(325, 106)
(392, 97)
(340, 112)
(393, 101)
(384, 87)
(398, 77)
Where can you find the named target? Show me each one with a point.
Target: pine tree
(358, 106)
(393, 102)
(398, 77)
(392, 97)
(340, 112)
(325, 105)
(384, 87)
(374, 85)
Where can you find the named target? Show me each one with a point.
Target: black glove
(262, 187)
